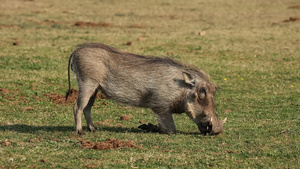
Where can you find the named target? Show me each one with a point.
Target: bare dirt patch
(171, 17)
(227, 111)
(79, 24)
(92, 24)
(10, 26)
(15, 97)
(4, 91)
(125, 117)
(292, 19)
(6, 142)
(294, 7)
(135, 26)
(105, 24)
(129, 43)
(61, 99)
(24, 109)
(15, 43)
(109, 144)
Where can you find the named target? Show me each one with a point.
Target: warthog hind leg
(87, 112)
(85, 100)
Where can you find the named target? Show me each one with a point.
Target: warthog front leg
(165, 124)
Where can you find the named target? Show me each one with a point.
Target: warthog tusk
(210, 121)
(224, 121)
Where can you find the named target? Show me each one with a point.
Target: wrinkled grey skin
(161, 84)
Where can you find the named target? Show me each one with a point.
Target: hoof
(80, 132)
(92, 129)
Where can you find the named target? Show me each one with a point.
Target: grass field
(250, 49)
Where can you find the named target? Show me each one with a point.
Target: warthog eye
(202, 93)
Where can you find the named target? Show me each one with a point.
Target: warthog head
(199, 104)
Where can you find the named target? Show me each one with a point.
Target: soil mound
(91, 24)
(60, 99)
(73, 94)
(108, 144)
(15, 97)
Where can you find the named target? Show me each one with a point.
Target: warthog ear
(188, 78)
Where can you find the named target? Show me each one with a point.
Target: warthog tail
(69, 66)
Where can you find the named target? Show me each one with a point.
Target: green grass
(246, 48)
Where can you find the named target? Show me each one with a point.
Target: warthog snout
(213, 127)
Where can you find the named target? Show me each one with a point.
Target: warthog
(161, 84)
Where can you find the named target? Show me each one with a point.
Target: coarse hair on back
(135, 59)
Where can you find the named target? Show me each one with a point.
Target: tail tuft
(68, 94)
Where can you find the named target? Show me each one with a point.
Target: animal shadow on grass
(24, 128)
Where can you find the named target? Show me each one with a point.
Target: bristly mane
(134, 58)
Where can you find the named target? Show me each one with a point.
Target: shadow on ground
(24, 128)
